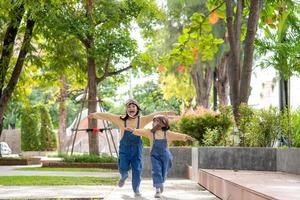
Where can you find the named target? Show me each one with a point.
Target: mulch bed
(20, 161)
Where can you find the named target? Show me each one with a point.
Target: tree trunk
(222, 80)
(215, 91)
(92, 104)
(16, 15)
(234, 56)
(202, 79)
(92, 83)
(62, 113)
(255, 6)
(7, 92)
(240, 77)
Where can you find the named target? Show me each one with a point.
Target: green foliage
(30, 127)
(89, 159)
(146, 141)
(261, 128)
(211, 137)
(179, 87)
(246, 116)
(295, 128)
(37, 130)
(48, 139)
(281, 33)
(12, 115)
(150, 97)
(208, 129)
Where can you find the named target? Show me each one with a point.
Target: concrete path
(175, 189)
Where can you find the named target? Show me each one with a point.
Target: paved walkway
(175, 189)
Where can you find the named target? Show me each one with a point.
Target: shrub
(146, 141)
(261, 128)
(30, 127)
(214, 126)
(295, 128)
(36, 129)
(47, 136)
(246, 117)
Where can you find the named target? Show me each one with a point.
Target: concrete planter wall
(237, 158)
(288, 160)
(181, 158)
(232, 158)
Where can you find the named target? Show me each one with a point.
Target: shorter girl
(161, 157)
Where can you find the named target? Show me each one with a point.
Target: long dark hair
(129, 102)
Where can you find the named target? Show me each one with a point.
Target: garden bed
(20, 161)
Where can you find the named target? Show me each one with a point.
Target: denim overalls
(130, 154)
(161, 160)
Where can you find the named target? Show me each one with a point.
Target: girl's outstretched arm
(108, 117)
(175, 136)
(148, 118)
(140, 132)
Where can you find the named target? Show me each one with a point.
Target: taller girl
(131, 146)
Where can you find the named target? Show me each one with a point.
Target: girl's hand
(91, 115)
(129, 129)
(189, 138)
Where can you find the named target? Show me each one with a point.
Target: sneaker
(137, 194)
(157, 194)
(121, 183)
(161, 189)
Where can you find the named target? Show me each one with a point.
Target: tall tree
(241, 63)
(8, 80)
(98, 26)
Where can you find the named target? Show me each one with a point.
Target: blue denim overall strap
(161, 160)
(130, 156)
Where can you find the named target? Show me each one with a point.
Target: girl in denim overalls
(161, 157)
(131, 146)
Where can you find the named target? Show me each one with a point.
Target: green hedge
(30, 127)
(48, 141)
(37, 130)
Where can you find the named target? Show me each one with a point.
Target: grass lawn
(65, 169)
(56, 180)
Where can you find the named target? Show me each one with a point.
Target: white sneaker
(157, 194)
(137, 194)
(121, 183)
(161, 189)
